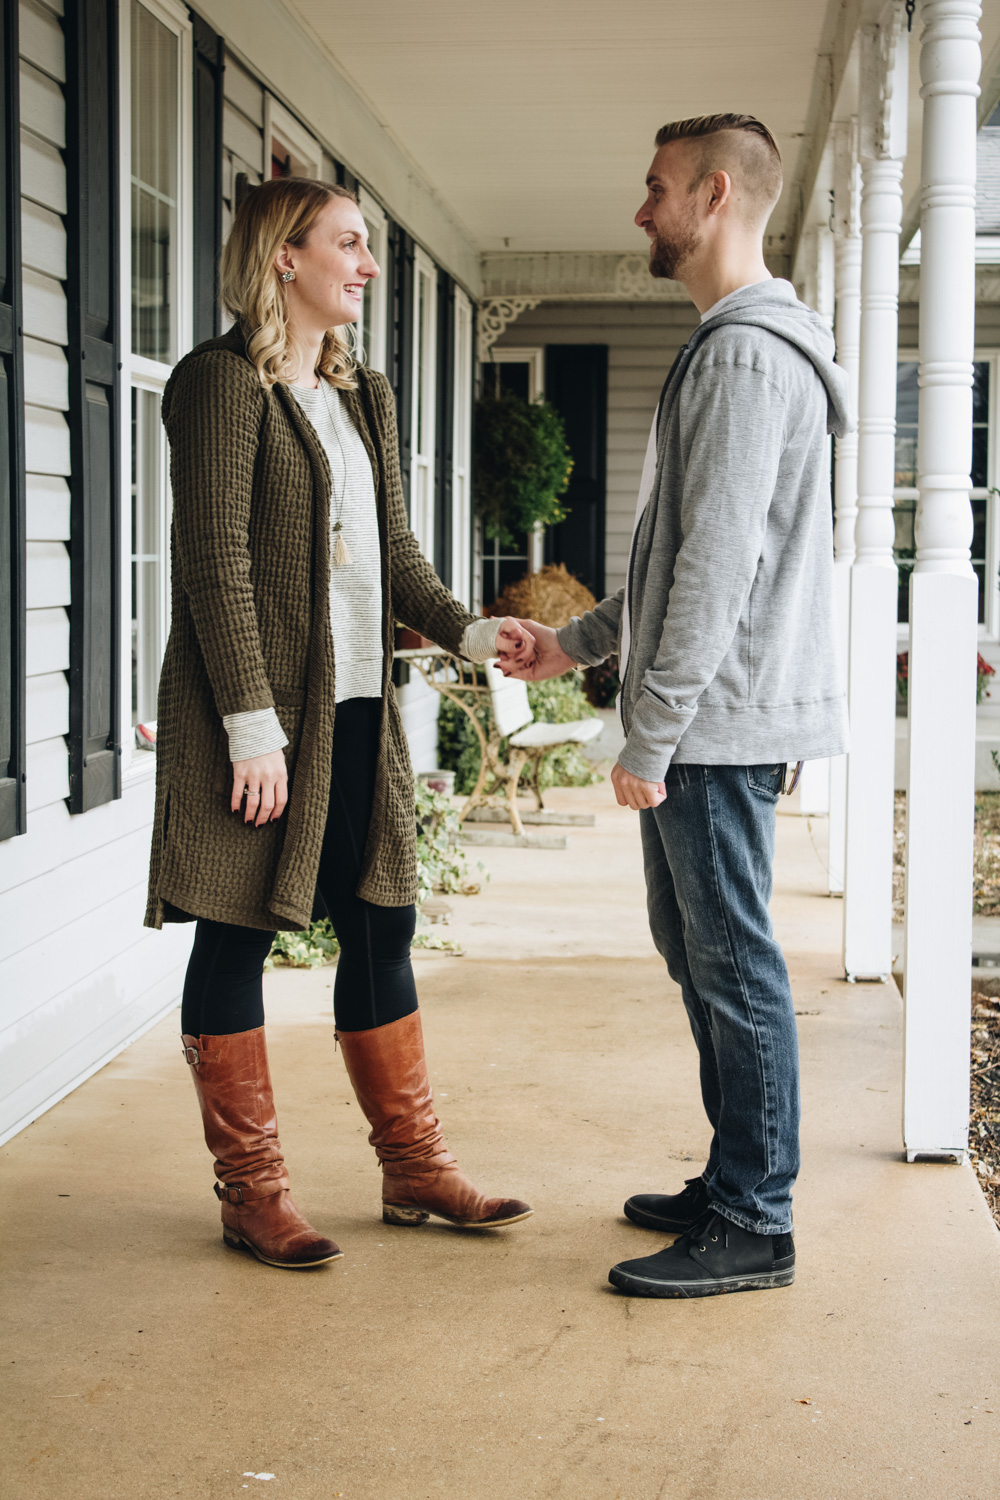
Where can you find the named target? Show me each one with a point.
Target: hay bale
(551, 596)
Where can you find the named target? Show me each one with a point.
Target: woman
(283, 771)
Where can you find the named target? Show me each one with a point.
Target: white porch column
(872, 640)
(943, 602)
(847, 332)
(818, 292)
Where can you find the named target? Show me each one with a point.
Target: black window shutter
(94, 384)
(444, 428)
(209, 63)
(401, 258)
(576, 383)
(13, 816)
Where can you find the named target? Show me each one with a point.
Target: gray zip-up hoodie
(733, 657)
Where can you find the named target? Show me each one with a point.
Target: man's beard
(667, 254)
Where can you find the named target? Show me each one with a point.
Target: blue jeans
(708, 853)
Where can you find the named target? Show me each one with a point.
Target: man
(725, 636)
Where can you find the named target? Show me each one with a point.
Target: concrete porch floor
(143, 1359)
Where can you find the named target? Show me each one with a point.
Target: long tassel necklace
(341, 551)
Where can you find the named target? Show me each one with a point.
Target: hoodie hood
(773, 305)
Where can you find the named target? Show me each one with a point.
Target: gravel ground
(984, 1133)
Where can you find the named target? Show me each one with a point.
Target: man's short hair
(740, 145)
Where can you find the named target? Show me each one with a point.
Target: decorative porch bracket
(847, 332)
(943, 602)
(494, 315)
(871, 663)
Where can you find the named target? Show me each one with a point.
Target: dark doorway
(576, 383)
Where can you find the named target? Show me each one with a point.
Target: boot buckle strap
(191, 1055)
(225, 1193)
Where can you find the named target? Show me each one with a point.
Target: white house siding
(242, 135)
(79, 975)
(642, 340)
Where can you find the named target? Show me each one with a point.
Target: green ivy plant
(558, 700)
(442, 866)
(521, 465)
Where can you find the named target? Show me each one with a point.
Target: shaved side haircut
(739, 145)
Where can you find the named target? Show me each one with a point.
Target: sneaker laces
(699, 1232)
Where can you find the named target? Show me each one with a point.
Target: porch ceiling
(535, 123)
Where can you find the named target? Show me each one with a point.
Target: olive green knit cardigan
(250, 629)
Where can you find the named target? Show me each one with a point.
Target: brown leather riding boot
(233, 1084)
(420, 1176)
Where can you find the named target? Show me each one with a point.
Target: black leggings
(223, 992)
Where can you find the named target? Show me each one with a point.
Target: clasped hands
(532, 652)
(525, 650)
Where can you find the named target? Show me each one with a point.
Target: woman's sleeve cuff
(257, 732)
(479, 640)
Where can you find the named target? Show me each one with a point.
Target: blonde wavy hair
(281, 211)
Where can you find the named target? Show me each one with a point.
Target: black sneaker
(713, 1257)
(670, 1213)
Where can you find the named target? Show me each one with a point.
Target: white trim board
(303, 148)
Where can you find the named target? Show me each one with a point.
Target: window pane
(980, 424)
(904, 551)
(979, 552)
(515, 380)
(980, 571)
(980, 391)
(149, 532)
(421, 359)
(906, 426)
(154, 186)
(980, 454)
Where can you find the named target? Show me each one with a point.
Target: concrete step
(486, 839)
(557, 819)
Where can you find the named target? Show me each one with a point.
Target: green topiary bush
(521, 465)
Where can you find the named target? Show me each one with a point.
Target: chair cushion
(537, 736)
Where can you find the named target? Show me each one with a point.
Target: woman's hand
(515, 643)
(265, 781)
(545, 658)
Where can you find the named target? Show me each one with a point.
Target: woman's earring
(288, 275)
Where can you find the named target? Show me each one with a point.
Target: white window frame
(461, 453)
(373, 323)
(990, 628)
(138, 371)
(281, 127)
(422, 454)
(533, 356)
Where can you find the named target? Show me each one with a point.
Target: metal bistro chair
(507, 715)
